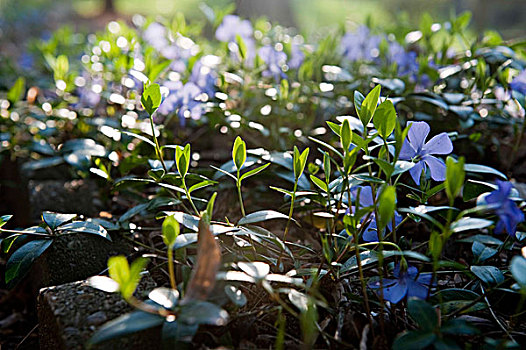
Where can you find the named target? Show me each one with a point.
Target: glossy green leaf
(4, 219)
(384, 119)
(262, 215)
(85, 227)
(423, 313)
(369, 105)
(151, 98)
(414, 340)
(467, 223)
(518, 270)
(253, 172)
(127, 324)
(54, 220)
(170, 230)
(20, 261)
(318, 182)
(454, 177)
(16, 92)
(386, 206)
(488, 274)
(239, 153)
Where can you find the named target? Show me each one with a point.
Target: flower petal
(416, 172)
(418, 133)
(416, 290)
(439, 144)
(396, 292)
(408, 151)
(436, 167)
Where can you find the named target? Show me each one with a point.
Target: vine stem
(190, 198)
(238, 185)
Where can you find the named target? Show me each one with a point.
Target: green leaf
(21, 260)
(239, 153)
(171, 230)
(127, 277)
(414, 340)
(299, 161)
(4, 219)
(17, 90)
(202, 312)
(454, 177)
(369, 104)
(358, 100)
(386, 206)
(335, 128)
(200, 185)
(384, 119)
(182, 159)
(477, 168)
(151, 98)
(253, 172)
(210, 206)
(467, 223)
(386, 167)
(346, 135)
(423, 313)
(54, 220)
(262, 215)
(458, 327)
(321, 184)
(86, 227)
(482, 252)
(488, 274)
(131, 323)
(518, 270)
(176, 334)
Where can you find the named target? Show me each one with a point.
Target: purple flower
(507, 211)
(204, 77)
(183, 99)
(416, 149)
(370, 233)
(274, 60)
(233, 26)
(518, 84)
(360, 45)
(296, 57)
(155, 35)
(406, 283)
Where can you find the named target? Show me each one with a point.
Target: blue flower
(370, 233)
(204, 77)
(406, 283)
(416, 149)
(274, 60)
(231, 27)
(296, 57)
(155, 35)
(507, 211)
(183, 99)
(406, 61)
(360, 45)
(518, 84)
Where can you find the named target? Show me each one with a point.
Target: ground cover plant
(362, 190)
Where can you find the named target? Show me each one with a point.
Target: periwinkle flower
(183, 99)
(231, 27)
(509, 214)
(296, 57)
(274, 60)
(360, 45)
(204, 77)
(155, 35)
(406, 283)
(406, 61)
(370, 233)
(518, 83)
(416, 149)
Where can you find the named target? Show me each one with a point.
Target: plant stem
(238, 185)
(157, 148)
(171, 268)
(190, 198)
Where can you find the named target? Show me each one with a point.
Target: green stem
(190, 198)
(171, 268)
(157, 148)
(238, 185)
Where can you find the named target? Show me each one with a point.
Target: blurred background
(507, 17)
